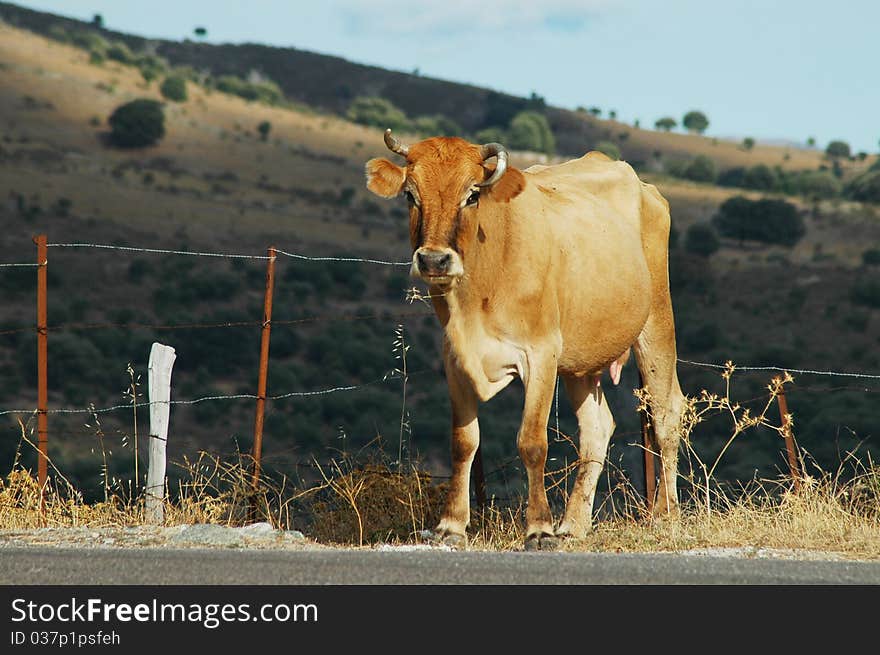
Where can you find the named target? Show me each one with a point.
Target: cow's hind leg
(656, 357)
(595, 425)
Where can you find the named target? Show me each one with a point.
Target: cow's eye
(473, 199)
(410, 198)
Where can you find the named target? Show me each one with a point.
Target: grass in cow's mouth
(367, 500)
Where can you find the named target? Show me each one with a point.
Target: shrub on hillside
(173, 87)
(437, 125)
(701, 169)
(760, 177)
(88, 40)
(119, 51)
(151, 66)
(865, 187)
(818, 184)
(137, 124)
(731, 177)
(490, 135)
(608, 148)
(265, 91)
(530, 130)
(767, 220)
(701, 239)
(838, 149)
(376, 112)
(866, 291)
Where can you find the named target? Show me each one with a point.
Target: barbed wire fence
(41, 411)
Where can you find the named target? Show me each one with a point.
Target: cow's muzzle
(440, 266)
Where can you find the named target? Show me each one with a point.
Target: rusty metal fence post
(790, 448)
(42, 368)
(264, 370)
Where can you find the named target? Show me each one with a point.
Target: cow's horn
(394, 145)
(494, 150)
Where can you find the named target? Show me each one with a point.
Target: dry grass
(365, 500)
(374, 504)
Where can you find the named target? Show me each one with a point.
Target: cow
(555, 270)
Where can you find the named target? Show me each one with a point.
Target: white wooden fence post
(159, 382)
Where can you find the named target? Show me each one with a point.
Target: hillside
(213, 185)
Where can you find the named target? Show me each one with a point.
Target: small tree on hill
(838, 149)
(767, 220)
(264, 128)
(748, 143)
(865, 187)
(695, 121)
(666, 123)
(818, 184)
(437, 125)
(701, 239)
(530, 130)
(760, 177)
(137, 124)
(608, 148)
(173, 87)
(701, 169)
(377, 112)
(490, 134)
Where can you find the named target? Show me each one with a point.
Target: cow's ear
(509, 186)
(385, 178)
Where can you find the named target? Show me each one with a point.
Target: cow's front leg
(465, 439)
(532, 444)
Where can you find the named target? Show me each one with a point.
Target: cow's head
(447, 183)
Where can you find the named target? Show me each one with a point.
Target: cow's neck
(465, 311)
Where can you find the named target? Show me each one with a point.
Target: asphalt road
(99, 566)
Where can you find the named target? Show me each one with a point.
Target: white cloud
(439, 17)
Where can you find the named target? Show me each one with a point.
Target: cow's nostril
(434, 263)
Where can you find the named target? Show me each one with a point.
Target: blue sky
(772, 70)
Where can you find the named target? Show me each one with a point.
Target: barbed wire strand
(195, 401)
(782, 369)
(27, 264)
(342, 259)
(159, 251)
(320, 392)
(194, 253)
(224, 324)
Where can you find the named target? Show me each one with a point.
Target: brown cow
(555, 270)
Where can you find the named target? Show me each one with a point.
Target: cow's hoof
(541, 542)
(442, 538)
(568, 534)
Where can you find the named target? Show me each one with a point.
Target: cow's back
(586, 216)
(593, 178)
